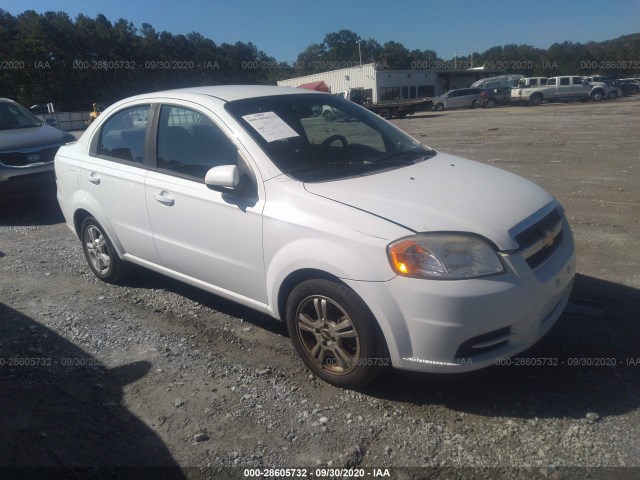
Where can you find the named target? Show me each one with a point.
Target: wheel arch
(79, 217)
(81, 214)
(298, 276)
(295, 278)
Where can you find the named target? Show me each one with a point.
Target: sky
(284, 28)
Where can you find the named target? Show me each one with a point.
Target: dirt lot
(156, 373)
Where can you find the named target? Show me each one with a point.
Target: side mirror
(224, 176)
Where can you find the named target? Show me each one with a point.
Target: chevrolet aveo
(373, 248)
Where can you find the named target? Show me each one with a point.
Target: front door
(212, 236)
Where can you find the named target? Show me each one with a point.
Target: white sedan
(374, 249)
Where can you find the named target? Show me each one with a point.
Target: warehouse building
(383, 84)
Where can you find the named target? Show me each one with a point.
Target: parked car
(461, 98)
(608, 88)
(373, 248)
(491, 97)
(27, 144)
(628, 86)
(509, 80)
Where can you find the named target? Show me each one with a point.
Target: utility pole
(359, 50)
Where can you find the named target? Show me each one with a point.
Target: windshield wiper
(402, 157)
(322, 166)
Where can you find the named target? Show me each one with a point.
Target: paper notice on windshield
(270, 126)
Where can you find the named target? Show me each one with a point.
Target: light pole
(359, 51)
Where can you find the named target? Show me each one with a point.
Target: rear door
(580, 87)
(113, 178)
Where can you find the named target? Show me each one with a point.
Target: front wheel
(612, 95)
(438, 107)
(596, 96)
(335, 334)
(100, 254)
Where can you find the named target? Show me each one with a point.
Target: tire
(100, 254)
(438, 107)
(634, 90)
(612, 95)
(335, 334)
(402, 113)
(328, 116)
(385, 113)
(535, 100)
(474, 104)
(596, 96)
(490, 103)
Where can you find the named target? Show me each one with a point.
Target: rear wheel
(100, 254)
(474, 104)
(490, 103)
(535, 100)
(438, 107)
(385, 113)
(334, 333)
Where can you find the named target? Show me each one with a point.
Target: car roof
(229, 93)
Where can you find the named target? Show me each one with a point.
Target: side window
(122, 135)
(189, 143)
(551, 82)
(564, 81)
(577, 80)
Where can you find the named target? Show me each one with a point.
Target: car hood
(444, 193)
(25, 138)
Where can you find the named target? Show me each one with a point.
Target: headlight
(447, 256)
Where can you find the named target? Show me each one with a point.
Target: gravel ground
(157, 373)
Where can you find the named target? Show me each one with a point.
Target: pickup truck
(559, 88)
(386, 109)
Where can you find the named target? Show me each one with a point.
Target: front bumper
(463, 325)
(8, 172)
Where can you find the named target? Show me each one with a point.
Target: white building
(383, 84)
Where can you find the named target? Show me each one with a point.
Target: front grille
(484, 343)
(538, 242)
(25, 158)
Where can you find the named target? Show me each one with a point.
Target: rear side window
(564, 81)
(122, 135)
(551, 82)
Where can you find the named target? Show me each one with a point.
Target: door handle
(94, 178)
(164, 199)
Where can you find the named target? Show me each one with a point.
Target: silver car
(27, 145)
(461, 98)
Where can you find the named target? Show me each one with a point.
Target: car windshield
(13, 116)
(319, 137)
